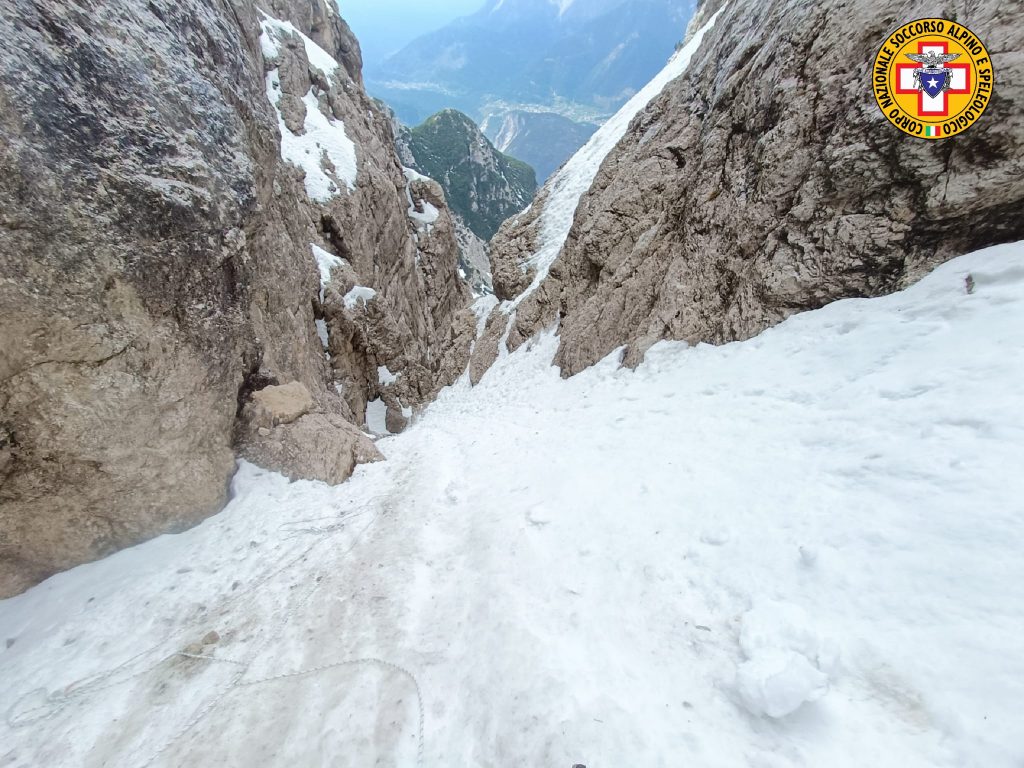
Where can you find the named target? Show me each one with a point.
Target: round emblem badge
(933, 78)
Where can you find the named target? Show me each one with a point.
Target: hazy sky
(384, 26)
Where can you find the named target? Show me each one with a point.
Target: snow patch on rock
(325, 262)
(786, 660)
(360, 294)
(270, 44)
(321, 331)
(376, 417)
(427, 217)
(411, 174)
(323, 150)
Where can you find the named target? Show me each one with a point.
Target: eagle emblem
(932, 77)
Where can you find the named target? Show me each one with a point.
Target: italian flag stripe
(931, 131)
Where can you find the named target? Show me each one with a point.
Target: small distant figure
(969, 283)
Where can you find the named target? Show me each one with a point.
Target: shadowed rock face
(156, 269)
(765, 181)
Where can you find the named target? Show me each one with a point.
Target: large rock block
(315, 446)
(280, 404)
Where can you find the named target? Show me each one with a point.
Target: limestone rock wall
(157, 267)
(765, 181)
(392, 294)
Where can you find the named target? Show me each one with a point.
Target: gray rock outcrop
(765, 181)
(157, 266)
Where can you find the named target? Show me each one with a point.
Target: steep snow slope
(622, 569)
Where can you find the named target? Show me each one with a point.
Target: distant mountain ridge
(579, 58)
(483, 186)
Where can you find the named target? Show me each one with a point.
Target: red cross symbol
(938, 106)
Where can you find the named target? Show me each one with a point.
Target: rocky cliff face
(762, 182)
(198, 202)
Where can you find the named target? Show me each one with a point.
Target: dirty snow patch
(270, 44)
(555, 551)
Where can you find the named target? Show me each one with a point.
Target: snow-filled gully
(799, 550)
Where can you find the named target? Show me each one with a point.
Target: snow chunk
(359, 294)
(777, 683)
(386, 377)
(775, 625)
(577, 175)
(785, 654)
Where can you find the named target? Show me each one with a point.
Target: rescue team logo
(933, 78)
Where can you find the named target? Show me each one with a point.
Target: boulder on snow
(316, 446)
(281, 404)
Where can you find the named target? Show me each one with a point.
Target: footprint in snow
(537, 517)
